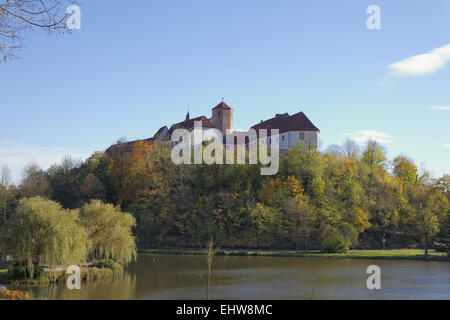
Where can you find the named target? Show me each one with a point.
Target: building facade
(292, 129)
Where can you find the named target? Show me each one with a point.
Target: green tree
(442, 240)
(268, 221)
(431, 205)
(304, 164)
(405, 169)
(64, 182)
(109, 230)
(34, 182)
(333, 241)
(101, 166)
(42, 229)
(374, 155)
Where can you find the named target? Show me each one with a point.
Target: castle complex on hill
(292, 128)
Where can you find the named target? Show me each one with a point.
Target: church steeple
(188, 116)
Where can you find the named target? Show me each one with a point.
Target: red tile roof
(285, 123)
(222, 105)
(189, 124)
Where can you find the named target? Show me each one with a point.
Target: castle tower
(222, 117)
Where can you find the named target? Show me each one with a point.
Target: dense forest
(345, 197)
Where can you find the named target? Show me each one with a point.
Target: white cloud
(446, 146)
(362, 136)
(17, 156)
(441, 108)
(422, 64)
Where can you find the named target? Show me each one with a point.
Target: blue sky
(134, 67)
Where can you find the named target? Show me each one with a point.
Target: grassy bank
(90, 273)
(403, 254)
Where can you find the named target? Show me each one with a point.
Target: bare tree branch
(19, 16)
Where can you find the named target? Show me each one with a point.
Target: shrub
(21, 271)
(333, 242)
(14, 295)
(18, 272)
(95, 273)
(105, 263)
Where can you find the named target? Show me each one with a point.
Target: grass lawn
(409, 254)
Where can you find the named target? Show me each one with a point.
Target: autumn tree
(431, 206)
(92, 189)
(304, 164)
(405, 170)
(101, 166)
(268, 222)
(132, 172)
(374, 155)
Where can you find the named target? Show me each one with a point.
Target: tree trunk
(426, 244)
(4, 212)
(208, 281)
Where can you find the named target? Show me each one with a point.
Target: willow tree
(110, 231)
(41, 229)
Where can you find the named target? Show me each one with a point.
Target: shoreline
(399, 254)
(88, 274)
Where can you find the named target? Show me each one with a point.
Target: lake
(155, 276)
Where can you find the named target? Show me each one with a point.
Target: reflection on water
(180, 277)
(122, 288)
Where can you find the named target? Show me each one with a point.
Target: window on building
(282, 138)
(302, 136)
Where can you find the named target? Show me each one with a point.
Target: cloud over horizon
(440, 108)
(17, 156)
(422, 64)
(362, 136)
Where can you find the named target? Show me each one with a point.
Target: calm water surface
(180, 277)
